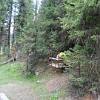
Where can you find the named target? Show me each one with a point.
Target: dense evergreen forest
(40, 31)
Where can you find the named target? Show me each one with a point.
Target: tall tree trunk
(1, 33)
(9, 24)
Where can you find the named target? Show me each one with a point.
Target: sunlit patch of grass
(10, 72)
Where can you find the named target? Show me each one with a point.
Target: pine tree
(50, 27)
(3, 23)
(82, 21)
(26, 31)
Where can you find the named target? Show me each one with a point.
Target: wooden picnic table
(57, 63)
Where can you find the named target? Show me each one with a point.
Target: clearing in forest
(17, 86)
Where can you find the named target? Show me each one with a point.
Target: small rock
(38, 81)
(3, 96)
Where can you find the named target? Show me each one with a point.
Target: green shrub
(77, 82)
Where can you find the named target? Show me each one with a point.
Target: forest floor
(28, 91)
(49, 85)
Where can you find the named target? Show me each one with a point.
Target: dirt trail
(56, 82)
(25, 91)
(18, 91)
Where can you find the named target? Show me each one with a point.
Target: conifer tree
(50, 27)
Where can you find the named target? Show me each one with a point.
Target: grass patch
(57, 94)
(11, 72)
(44, 94)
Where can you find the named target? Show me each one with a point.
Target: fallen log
(10, 60)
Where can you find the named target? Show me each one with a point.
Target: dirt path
(18, 91)
(56, 82)
(25, 90)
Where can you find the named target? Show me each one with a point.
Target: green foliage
(74, 13)
(77, 82)
(49, 15)
(82, 21)
(24, 24)
(27, 32)
(76, 34)
(94, 37)
(76, 55)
